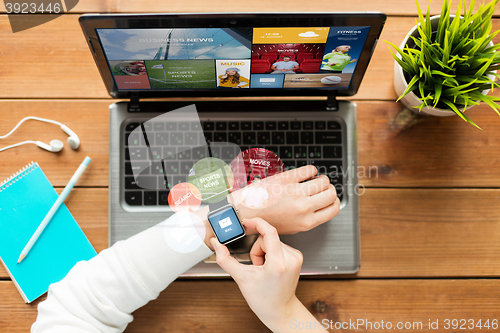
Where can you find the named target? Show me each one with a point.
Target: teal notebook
(25, 199)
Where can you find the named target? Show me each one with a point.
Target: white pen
(54, 208)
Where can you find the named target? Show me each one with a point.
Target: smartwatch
(225, 222)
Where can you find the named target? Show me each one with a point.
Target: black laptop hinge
(133, 105)
(331, 102)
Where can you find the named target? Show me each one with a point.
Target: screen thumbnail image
(175, 44)
(130, 74)
(181, 74)
(343, 49)
(287, 58)
(317, 80)
(233, 73)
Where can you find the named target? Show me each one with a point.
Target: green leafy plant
(450, 66)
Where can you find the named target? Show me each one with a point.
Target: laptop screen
(195, 55)
(233, 58)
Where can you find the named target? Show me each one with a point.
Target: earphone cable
(17, 144)
(29, 118)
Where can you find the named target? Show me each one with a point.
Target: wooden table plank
(390, 7)
(64, 64)
(396, 149)
(83, 6)
(217, 306)
(404, 233)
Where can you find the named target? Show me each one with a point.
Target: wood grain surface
(63, 66)
(397, 148)
(404, 233)
(430, 186)
(390, 7)
(217, 306)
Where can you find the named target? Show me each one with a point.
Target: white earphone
(55, 145)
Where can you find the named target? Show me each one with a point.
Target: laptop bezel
(91, 22)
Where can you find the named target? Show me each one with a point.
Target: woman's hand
(297, 201)
(269, 284)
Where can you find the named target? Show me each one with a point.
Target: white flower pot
(400, 84)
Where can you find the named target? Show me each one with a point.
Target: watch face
(226, 224)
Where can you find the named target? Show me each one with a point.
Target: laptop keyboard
(297, 143)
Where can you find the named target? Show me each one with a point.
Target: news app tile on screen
(181, 74)
(174, 44)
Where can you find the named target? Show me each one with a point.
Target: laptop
(301, 63)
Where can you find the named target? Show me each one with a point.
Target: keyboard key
(157, 169)
(179, 179)
(246, 126)
(314, 151)
(328, 137)
(234, 137)
(171, 167)
(159, 127)
(320, 125)
(258, 125)
(156, 153)
(307, 125)
(161, 139)
(184, 126)
(234, 126)
(149, 198)
(138, 154)
(208, 137)
(176, 138)
(300, 152)
(190, 138)
(171, 126)
(283, 125)
(133, 198)
(220, 137)
(208, 126)
(132, 139)
(286, 152)
(169, 153)
(301, 163)
(295, 125)
(141, 182)
(148, 126)
(278, 138)
(333, 125)
(249, 138)
(162, 183)
(227, 153)
(184, 154)
(306, 138)
(185, 167)
(289, 164)
(332, 151)
(274, 149)
(215, 152)
(292, 138)
(131, 126)
(221, 126)
(199, 153)
(163, 198)
(270, 125)
(263, 138)
(195, 126)
(142, 167)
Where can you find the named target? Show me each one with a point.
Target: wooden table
(430, 217)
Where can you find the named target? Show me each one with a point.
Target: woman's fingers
(326, 213)
(324, 198)
(316, 185)
(225, 261)
(270, 244)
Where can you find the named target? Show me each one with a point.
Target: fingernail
(214, 242)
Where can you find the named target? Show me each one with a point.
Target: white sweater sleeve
(99, 295)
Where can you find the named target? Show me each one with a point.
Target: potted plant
(447, 63)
